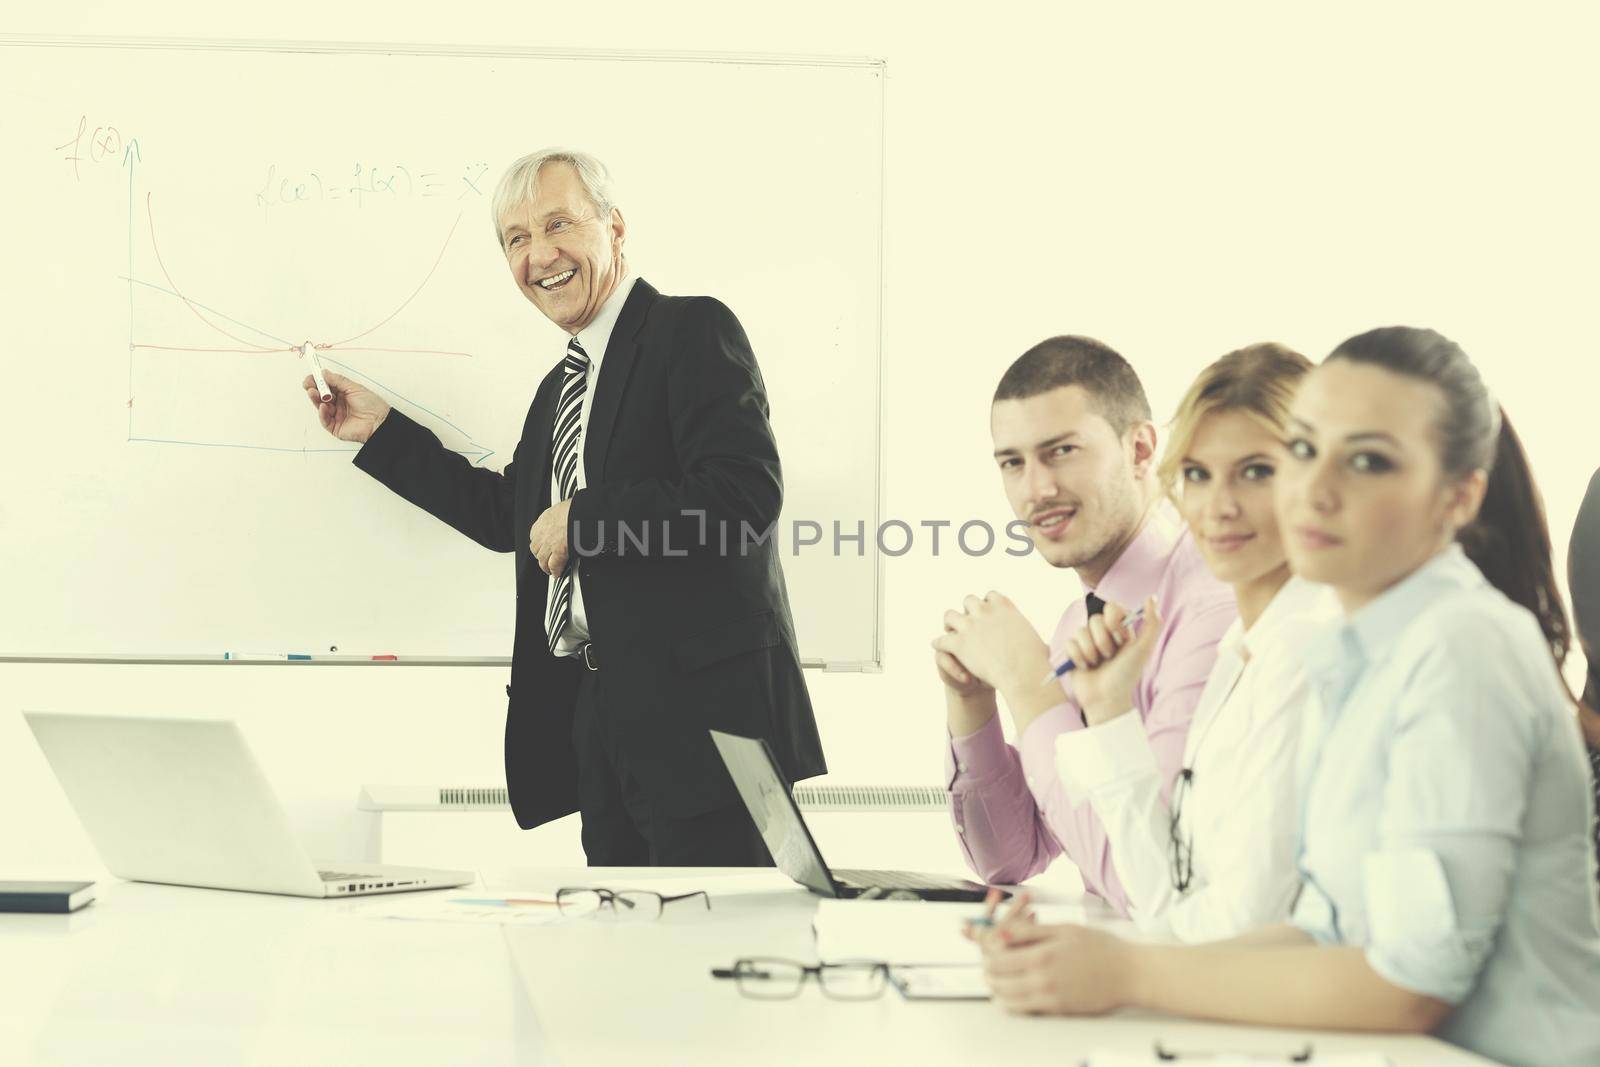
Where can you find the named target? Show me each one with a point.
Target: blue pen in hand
(1069, 665)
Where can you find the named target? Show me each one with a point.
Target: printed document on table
(490, 909)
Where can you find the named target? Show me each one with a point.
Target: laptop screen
(772, 807)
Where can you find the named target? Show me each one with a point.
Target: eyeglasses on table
(621, 905)
(771, 978)
(1302, 1055)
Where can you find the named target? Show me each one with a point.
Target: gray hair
(521, 182)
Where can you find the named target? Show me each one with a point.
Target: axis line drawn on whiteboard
(129, 157)
(478, 453)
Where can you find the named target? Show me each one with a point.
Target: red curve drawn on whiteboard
(150, 212)
(429, 277)
(253, 349)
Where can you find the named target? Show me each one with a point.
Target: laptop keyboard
(894, 880)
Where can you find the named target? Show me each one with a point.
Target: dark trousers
(622, 827)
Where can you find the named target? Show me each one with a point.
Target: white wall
(1176, 180)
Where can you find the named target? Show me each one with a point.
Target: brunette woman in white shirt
(1216, 857)
(1444, 808)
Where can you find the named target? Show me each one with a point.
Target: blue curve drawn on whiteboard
(214, 311)
(478, 452)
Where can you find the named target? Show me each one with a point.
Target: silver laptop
(183, 802)
(794, 851)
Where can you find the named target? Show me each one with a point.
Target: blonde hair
(1257, 380)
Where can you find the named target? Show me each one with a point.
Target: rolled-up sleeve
(1459, 768)
(999, 826)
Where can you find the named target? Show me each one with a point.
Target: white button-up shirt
(1238, 810)
(1446, 812)
(594, 338)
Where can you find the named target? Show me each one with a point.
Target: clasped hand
(547, 539)
(991, 642)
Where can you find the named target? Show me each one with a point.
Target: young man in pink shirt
(1076, 450)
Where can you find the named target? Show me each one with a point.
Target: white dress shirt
(1446, 815)
(1238, 811)
(594, 338)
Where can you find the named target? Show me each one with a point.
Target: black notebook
(45, 896)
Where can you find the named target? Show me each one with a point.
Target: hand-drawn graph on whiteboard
(182, 216)
(188, 333)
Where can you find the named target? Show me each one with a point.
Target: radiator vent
(809, 797)
(474, 799)
(871, 797)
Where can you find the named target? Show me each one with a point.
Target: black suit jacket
(689, 618)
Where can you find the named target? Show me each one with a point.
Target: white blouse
(1446, 814)
(1237, 810)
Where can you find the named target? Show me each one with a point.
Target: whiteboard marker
(316, 373)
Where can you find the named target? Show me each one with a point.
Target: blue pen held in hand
(1125, 630)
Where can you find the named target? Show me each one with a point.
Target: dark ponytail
(1510, 539)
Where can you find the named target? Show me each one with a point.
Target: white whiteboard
(178, 215)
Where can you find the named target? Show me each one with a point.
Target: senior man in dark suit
(640, 504)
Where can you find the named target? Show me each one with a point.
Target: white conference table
(154, 974)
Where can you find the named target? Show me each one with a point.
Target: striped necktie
(564, 469)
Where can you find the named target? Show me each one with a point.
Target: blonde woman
(1216, 856)
(1444, 810)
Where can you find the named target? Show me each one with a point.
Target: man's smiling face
(565, 258)
(1068, 475)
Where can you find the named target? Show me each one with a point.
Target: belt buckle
(588, 661)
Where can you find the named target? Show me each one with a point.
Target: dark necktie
(564, 469)
(1096, 606)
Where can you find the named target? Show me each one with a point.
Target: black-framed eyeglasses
(1166, 1055)
(1182, 848)
(770, 978)
(623, 905)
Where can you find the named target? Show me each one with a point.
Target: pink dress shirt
(1011, 810)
